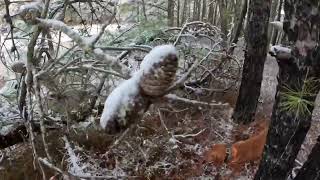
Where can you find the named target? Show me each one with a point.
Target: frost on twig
(74, 160)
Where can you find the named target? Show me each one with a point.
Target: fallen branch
(173, 97)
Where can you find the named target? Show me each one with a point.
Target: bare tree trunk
(204, 10)
(234, 8)
(184, 11)
(298, 77)
(223, 22)
(198, 9)
(255, 55)
(194, 12)
(239, 25)
(210, 13)
(178, 13)
(215, 14)
(272, 18)
(275, 32)
(144, 10)
(170, 13)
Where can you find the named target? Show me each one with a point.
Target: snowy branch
(86, 44)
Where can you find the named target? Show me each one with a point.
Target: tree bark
(256, 51)
(311, 168)
(288, 128)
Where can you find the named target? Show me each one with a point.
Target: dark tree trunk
(210, 13)
(288, 128)
(256, 52)
(184, 11)
(204, 10)
(178, 13)
(239, 25)
(311, 168)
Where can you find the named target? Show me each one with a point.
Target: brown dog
(241, 152)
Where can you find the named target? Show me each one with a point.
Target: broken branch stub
(131, 99)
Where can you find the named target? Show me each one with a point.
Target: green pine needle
(296, 101)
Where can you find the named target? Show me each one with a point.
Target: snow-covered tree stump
(130, 100)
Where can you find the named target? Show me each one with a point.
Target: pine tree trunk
(311, 168)
(256, 52)
(184, 11)
(288, 128)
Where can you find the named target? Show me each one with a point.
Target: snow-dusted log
(128, 102)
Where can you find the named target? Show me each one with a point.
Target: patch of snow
(157, 55)
(119, 100)
(74, 160)
(280, 52)
(32, 5)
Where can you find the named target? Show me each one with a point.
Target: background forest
(159, 89)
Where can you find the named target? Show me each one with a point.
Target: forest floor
(169, 143)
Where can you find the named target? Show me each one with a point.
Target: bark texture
(256, 52)
(289, 128)
(311, 168)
